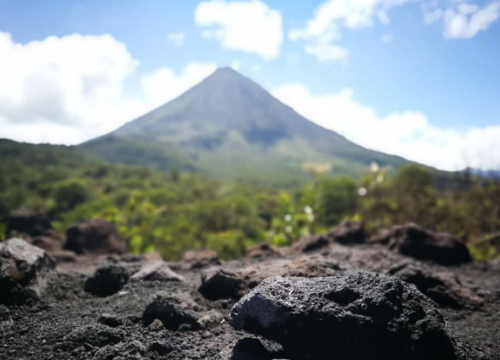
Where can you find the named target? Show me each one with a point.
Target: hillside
(232, 128)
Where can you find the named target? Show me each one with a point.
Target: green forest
(174, 211)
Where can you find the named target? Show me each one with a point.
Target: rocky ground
(334, 296)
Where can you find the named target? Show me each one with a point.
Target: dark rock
(444, 288)
(311, 243)
(95, 335)
(350, 316)
(160, 347)
(201, 259)
(107, 280)
(110, 320)
(218, 284)
(173, 311)
(31, 223)
(94, 236)
(261, 251)
(411, 240)
(23, 271)
(246, 349)
(158, 271)
(348, 232)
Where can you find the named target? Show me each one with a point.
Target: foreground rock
(411, 240)
(94, 236)
(107, 280)
(23, 271)
(351, 316)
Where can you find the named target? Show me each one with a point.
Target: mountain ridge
(231, 127)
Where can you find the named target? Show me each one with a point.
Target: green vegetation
(176, 211)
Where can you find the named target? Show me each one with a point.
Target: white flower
(289, 229)
(362, 191)
(288, 217)
(308, 210)
(374, 167)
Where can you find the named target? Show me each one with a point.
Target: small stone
(311, 243)
(173, 311)
(246, 349)
(348, 233)
(221, 284)
(107, 280)
(160, 347)
(156, 325)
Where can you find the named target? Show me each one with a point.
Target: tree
(336, 199)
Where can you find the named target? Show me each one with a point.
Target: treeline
(173, 212)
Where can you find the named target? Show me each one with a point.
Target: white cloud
(430, 17)
(406, 133)
(467, 20)
(235, 65)
(249, 26)
(70, 89)
(323, 32)
(176, 38)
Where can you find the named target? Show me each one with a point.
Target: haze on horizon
(417, 79)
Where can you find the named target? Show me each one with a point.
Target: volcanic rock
(159, 271)
(218, 284)
(348, 232)
(110, 320)
(95, 335)
(31, 223)
(356, 315)
(23, 271)
(444, 288)
(311, 243)
(246, 349)
(94, 236)
(174, 311)
(411, 240)
(107, 280)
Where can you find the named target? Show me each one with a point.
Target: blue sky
(414, 78)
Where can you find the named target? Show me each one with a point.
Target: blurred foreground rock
(23, 271)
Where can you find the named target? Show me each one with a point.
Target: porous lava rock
(23, 271)
(348, 233)
(175, 311)
(442, 287)
(95, 335)
(158, 271)
(355, 315)
(107, 280)
(94, 236)
(411, 240)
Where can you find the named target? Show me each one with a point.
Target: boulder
(31, 223)
(94, 236)
(442, 248)
(200, 259)
(311, 243)
(261, 251)
(23, 271)
(442, 287)
(159, 271)
(176, 312)
(355, 315)
(348, 233)
(107, 280)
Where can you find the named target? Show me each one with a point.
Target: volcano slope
(329, 301)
